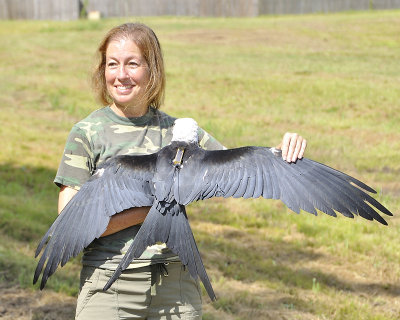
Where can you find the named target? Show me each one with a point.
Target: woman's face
(127, 75)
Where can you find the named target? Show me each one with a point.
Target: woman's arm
(117, 222)
(66, 194)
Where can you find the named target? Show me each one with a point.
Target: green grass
(332, 78)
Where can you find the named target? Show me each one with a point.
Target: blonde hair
(150, 48)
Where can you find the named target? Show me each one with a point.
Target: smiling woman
(129, 81)
(127, 77)
(130, 55)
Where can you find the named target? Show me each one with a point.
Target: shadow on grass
(276, 263)
(28, 201)
(28, 204)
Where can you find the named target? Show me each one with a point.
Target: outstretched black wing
(121, 183)
(170, 227)
(252, 172)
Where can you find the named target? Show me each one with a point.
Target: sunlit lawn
(334, 79)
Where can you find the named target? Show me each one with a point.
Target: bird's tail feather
(193, 259)
(169, 225)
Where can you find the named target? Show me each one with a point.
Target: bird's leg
(178, 157)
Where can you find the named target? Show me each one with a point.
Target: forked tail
(170, 227)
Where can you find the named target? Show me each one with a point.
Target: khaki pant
(154, 292)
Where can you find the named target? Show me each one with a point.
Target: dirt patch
(245, 38)
(24, 304)
(308, 37)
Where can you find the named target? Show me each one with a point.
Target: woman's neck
(129, 112)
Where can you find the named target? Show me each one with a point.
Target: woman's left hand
(293, 146)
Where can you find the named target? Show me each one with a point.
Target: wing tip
(113, 278)
(109, 283)
(381, 220)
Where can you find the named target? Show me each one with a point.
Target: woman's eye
(111, 64)
(133, 64)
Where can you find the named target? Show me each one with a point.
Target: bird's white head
(185, 129)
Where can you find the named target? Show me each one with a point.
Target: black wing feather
(304, 185)
(121, 183)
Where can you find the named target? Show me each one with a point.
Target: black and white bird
(181, 173)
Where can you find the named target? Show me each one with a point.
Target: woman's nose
(122, 74)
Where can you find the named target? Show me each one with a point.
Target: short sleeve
(208, 142)
(77, 161)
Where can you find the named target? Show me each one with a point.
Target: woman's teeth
(124, 87)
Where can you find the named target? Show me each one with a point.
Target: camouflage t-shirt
(100, 136)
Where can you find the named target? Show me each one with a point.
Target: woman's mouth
(124, 88)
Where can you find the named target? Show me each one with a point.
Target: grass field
(335, 79)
